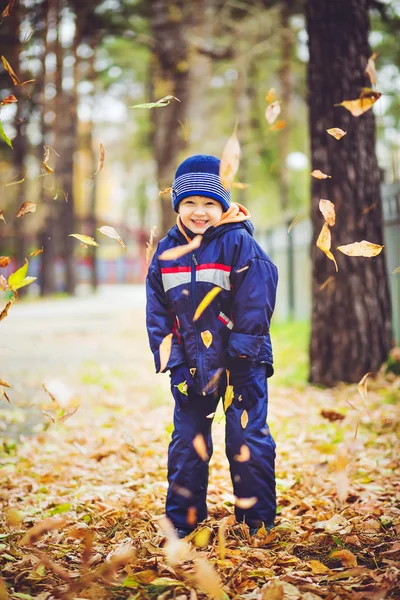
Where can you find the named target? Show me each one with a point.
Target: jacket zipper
(197, 325)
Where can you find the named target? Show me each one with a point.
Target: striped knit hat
(199, 176)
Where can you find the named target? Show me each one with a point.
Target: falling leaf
(10, 71)
(85, 239)
(111, 233)
(244, 419)
(246, 503)
(100, 164)
(4, 261)
(318, 567)
(18, 276)
(211, 415)
(166, 191)
(5, 136)
(199, 445)
(207, 338)
(294, 222)
(271, 95)
(272, 111)
(229, 395)
(278, 126)
(150, 244)
(3, 282)
(185, 129)
(5, 384)
(208, 298)
(13, 183)
(191, 516)
(40, 529)
(360, 105)
(45, 166)
(397, 270)
(336, 132)
(328, 210)
(212, 383)
(5, 310)
(2, 216)
(367, 209)
(332, 415)
(165, 351)
(324, 243)
(7, 11)
(346, 557)
(244, 455)
(35, 252)
(320, 175)
(371, 69)
(202, 537)
(8, 100)
(27, 207)
(208, 579)
(229, 161)
(362, 387)
(363, 248)
(239, 185)
(174, 253)
(327, 282)
(159, 104)
(341, 477)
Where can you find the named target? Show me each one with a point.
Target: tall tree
(351, 325)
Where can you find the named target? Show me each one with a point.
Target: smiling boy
(228, 344)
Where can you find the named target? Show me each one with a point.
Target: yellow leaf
(244, 455)
(4, 595)
(27, 207)
(270, 97)
(360, 105)
(24, 282)
(36, 252)
(397, 270)
(328, 210)
(85, 239)
(278, 125)
(166, 191)
(273, 111)
(100, 164)
(324, 243)
(229, 161)
(346, 557)
(174, 253)
(244, 419)
(150, 244)
(317, 567)
(246, 503)
(327, 282)
(294, 222)
(199, 445)
(4, 383)
(221, 539)
(371, 69)
(208, 298)
(320, 175)
(239, 185)
(4, 261)
(14, 517)
(202, 537)
(336, 132)
(18, 276)
(165, 351)
(208, 579)
(207, 338)
(228, 399)
(364, 248)
(111, 233)
(362, 387)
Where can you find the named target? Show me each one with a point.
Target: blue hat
(199, 176)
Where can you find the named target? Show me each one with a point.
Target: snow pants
(188, 473)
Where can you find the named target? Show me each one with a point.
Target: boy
(229, 344)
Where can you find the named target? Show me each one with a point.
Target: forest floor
(83, 474)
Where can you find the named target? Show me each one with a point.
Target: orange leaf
(199, 445)
(10, 71)
(4, 261)
(27, 207)
(278, 125)
(328, 210)
(166, 191)
(3, 283)
(174, 253)
(360, 105)
(165, 352)
(270, 97)
(150, 244)
(364, 248)
(8, 100)
(346, 557)
(320, 175)
(36, 252)
(229, 161)
(336, 132)
(7, 11)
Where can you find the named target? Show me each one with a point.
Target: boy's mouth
(199, 222)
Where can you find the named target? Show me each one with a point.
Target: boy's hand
(247, 391)
(181, 381)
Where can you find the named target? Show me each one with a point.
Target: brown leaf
(273, 111)
(10, 71)
(4, 261)
(371, 69)
(208, 298)
(229, 161)
(332, 415)
(246, 503)
(244, 419)
(278, 126)
(336, 132)
(208, 579)
(4, 595)
(199, 445)
(360, 105)
(27, 207)
(40, 529)
(363, 248)
(207, 338)
(174, 253)
(328, 210)
(111, 233)
(324, 243)
(346, 557)
(320, 175)
(4, 383)
(9, 100)
(36, 252)
(244, 454)
(5, 310)
(100, 164)
(270, 97)
(3, 283)
(330, 279)
(165, 351)
(45, 166)
(7, 11)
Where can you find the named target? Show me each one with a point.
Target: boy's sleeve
(254, 284)
(160, 320)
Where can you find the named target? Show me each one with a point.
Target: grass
(290, 347)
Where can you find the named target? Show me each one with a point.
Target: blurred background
(86, 63)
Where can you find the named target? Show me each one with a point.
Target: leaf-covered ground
(99, 475)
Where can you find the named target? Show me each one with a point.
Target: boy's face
(198, 213)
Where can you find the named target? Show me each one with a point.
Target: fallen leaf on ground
(363, 248)
(346, 557)
(336, 132)
(174, 253)
(332, 415)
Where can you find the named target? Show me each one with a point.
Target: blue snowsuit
(238, 319)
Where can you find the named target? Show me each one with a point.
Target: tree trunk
(170, 76)
(351, 316)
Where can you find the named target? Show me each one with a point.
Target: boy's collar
(236, 213)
